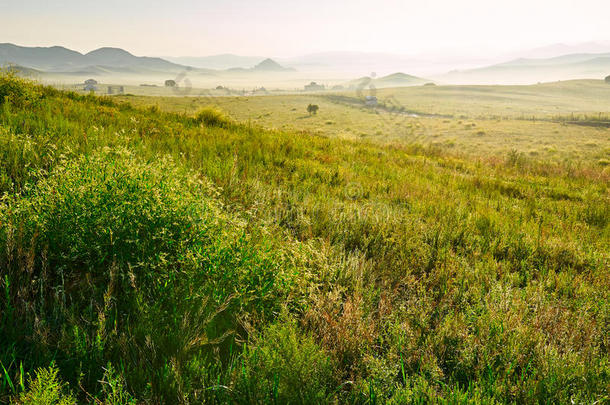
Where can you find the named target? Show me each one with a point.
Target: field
(472, 120)
(158, 250)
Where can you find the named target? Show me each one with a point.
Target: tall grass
(212, 261)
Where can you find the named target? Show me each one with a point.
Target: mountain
(220, 62)
(554, 61)
(269, 65)
(117, 57)
(108, 61)
(58, 59)
(528, 70)
(554, 50)
(394, 80)
(39, 58)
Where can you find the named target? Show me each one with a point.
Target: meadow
(537, 121)
(159, 250)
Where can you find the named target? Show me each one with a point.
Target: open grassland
(545, 100)
(535, 121)
(183, 257)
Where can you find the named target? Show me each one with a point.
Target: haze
(289, 28)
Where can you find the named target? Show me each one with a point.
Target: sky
(286, 28)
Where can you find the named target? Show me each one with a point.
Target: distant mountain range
(548, 63)
(106, 61)
(555, 50)
(531, 70)
(527, 67)
(315, 61)
(58, 59)
(217, 62)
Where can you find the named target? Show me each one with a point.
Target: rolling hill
(116, 57)
(399, 80)
(23, 71)
(394, 80)
(58, 59)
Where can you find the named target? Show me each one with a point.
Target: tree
(312, 109)
(170, 83)
(608, 79)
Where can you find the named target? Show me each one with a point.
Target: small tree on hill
(312, 109)
(608, 79)
(170, 83)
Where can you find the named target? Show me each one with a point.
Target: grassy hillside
(170, 257)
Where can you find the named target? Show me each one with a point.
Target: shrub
(514, 158)
(17, 91)
(213, 117)
(285, 366)
(312, 109)
(141, 252)
(47, 389)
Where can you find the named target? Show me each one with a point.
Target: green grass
(164, 257)
(473, 120)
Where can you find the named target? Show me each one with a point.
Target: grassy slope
(162, 242)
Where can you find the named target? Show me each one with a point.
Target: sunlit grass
(201, 259)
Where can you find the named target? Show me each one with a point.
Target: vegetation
(487, 121)
(149, 256)
(45, 388)
(313, 109)
(212, 117)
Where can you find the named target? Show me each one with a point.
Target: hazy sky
(290, 28)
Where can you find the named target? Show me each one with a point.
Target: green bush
(145, 257)
(212, 117)
(17, 91)
(285, 366)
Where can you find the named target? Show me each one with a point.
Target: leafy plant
(47, 389)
